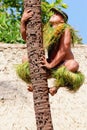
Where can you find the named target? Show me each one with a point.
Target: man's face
(56, 18)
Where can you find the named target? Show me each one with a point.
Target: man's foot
(53, 90)
(30, 88)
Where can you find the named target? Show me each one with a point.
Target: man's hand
(45, 63)
(26, 15)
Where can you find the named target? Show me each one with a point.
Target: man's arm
(64, 47)
(23, 30)
(65, 43)
(26, 15)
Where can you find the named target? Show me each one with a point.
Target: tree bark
(38, 74)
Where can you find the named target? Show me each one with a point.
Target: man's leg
(71, 65)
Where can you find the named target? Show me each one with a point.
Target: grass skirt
(23, 72)
(68, 79)
(64, 78)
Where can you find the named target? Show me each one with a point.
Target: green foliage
(10, 14)
(9, 29)
(13, 6)
(76, 39)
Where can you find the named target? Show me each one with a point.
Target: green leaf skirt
(64, 78)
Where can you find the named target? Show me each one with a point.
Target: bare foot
(30, 88)
(53, 90)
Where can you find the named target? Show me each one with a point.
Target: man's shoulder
(67, 28)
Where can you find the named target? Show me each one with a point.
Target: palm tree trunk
(38, 74)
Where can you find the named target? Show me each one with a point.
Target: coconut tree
(38, 74)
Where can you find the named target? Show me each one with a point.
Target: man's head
(59, 16)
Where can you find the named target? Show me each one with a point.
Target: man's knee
(72, 65)
(75, 66)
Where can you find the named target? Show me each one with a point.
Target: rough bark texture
(38, 74)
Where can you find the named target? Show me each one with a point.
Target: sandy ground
(69, 111)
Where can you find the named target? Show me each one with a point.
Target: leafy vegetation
(10, 15)
(9, 29)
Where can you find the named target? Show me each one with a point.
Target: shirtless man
(63, 53)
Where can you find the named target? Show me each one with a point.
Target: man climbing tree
(57, 40)
(60, 62)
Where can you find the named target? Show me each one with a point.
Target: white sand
(69, 111)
